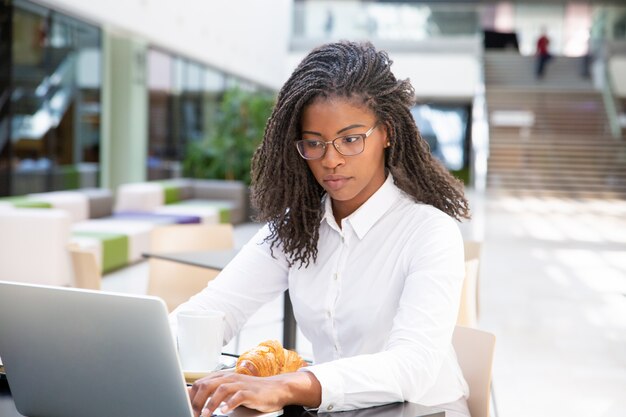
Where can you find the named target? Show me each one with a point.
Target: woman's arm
(263, 394)
(250, 280)
(417, 362)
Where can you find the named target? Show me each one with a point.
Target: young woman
(360, 230)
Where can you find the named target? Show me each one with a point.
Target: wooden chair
(86, 272)
(175, 282)
(468, 309)
(473, 250)
(470, 295)
(474, 350)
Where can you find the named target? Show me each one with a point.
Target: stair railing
(610, 105)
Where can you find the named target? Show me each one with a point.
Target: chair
(33, 246)
(474, 350)
(175, 282)
(468, 309)
(86, 270)
(473, 250)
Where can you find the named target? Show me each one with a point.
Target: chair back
(191, 237)
(86, 272)
(473, 249)
(468, 309)
(474, 350)
(470, 296)
(175, 282)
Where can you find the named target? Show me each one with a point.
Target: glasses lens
(310, 149)
(350, 145)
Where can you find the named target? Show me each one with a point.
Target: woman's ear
(387, 131)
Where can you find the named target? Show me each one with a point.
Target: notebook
(81, 353)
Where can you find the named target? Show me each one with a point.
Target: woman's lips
(335, 182)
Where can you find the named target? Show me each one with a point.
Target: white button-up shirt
(379, 305)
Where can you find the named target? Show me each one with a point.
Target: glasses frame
(325, 143)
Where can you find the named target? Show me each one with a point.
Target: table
(7, 409)
(218, 259)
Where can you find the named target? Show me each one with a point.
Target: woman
(360, 230)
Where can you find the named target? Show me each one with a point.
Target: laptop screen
(81, 353)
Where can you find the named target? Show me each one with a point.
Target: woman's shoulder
(421, 212)
(424, 220)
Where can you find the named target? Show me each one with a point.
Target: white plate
(226, 362)
(193, 376)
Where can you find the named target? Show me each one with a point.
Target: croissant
(267, 359)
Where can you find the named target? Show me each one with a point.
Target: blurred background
(103, 93)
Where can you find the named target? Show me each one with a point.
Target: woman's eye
(351, 139)
(313, 144)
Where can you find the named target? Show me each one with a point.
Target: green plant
(235, 135)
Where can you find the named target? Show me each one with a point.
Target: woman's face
(348, 180)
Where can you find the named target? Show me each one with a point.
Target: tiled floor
(553, 290)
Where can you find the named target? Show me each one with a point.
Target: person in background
(329, 24)
(361, 230)
(543, 55)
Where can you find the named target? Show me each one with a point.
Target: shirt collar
(370, 212)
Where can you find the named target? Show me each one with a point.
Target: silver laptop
(80, 353)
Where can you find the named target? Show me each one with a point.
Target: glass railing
(382, 21)
(608, 96)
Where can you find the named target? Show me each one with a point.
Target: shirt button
(330, 407)
(336, 276)
(328, 314)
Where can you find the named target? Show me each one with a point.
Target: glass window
(5, 92)
(446, 129)
(184, 100)
(160, 100)
(56, 79)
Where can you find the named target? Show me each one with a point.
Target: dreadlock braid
(284, 190)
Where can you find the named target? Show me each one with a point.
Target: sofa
(117, 230)
(207, 198)
(33, 245)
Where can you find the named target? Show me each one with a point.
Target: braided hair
(284, 191)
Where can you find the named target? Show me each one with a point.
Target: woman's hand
(263, 394)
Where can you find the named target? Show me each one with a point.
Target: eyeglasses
(348, 145)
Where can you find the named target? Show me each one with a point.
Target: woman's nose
(332, 158)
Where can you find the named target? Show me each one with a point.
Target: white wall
(432, 74)
(245, 37)
(439, 74)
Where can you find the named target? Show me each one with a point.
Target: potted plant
(234, 135)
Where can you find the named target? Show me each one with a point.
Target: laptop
(81, 353)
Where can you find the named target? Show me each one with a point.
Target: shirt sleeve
(421, 334)
(254, 277)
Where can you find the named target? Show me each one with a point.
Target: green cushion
(224, 215)
(171, 193)
(114, 249)
(223, 209)
(24, 202)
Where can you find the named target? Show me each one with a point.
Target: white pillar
(124, 140)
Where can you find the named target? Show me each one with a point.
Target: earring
(388, 144)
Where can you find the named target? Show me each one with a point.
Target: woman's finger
(201, 391)
(222, 393)
(234, 401)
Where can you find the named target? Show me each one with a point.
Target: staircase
(549, 137)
